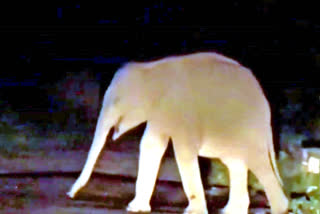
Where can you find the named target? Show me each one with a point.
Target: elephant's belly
(233, 145)
(215, 151)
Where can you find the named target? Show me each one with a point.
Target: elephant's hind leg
(264, 172)
(238, 190)
(152, 148)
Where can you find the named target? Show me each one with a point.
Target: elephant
(209, 105)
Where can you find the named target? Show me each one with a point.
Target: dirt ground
(37, 182)
(46, 193)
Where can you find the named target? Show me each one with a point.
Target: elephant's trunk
(104, 124)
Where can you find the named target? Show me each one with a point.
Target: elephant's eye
(115, 100)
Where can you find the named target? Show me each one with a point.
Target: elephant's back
(211, 87)
(204, 88)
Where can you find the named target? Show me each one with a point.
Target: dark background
(41, 41)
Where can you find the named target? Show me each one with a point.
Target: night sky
(40, 42)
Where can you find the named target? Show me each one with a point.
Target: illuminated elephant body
(209, 105)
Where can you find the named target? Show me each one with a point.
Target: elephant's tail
(272, 158)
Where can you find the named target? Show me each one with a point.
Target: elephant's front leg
(187, 159)
(152, 147)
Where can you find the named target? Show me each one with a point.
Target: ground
(36, 172)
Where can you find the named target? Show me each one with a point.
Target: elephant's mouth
(116, 128)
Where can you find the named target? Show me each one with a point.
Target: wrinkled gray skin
(210, 106)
